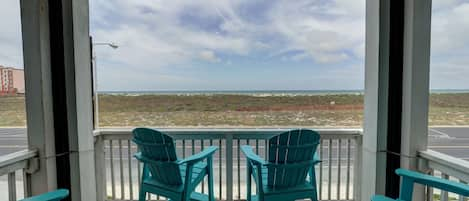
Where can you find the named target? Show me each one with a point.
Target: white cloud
(450, 44)
(324, 30)
(325, 38)
(151, 34)
(208, 55)
(154, 35)
(158, 36)
(449, 29)
(10, 34)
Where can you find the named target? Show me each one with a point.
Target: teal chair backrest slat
(291, 147)
(160, 148)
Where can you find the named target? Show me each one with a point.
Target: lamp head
(113, 45)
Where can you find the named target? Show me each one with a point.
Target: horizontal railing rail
(25, 161)
(446, 167)
(119, 173)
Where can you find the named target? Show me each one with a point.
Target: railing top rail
(17, 157)
(236, 133)
(447, 164)
(11, 162)
(348, 131)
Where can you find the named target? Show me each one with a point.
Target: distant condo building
(11, 81)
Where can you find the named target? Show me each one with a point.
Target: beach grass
(218, 110)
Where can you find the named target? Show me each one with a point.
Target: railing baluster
(129, 157)
(202, 148)
(357, 167)
(183, 148)
(462, 198)
(211, 144)
(193, 150)
(229, 167)
(26, 184)
(239, 171)
(257, 146)
(321, 150)
(339, 147)
(11, 186)
(100, 166)
(193, 147)
(347, 187)
(121, 170)
(444, 194)
(430, 190)
(139, 174)
(220, 149)
(329, 183)
(113, 183)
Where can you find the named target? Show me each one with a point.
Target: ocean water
(261, 92)
(233, 92)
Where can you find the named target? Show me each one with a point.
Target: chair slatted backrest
(159, 148)
(296, 146)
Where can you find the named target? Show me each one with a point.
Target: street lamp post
(95, 80)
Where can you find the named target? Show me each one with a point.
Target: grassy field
(241, 110)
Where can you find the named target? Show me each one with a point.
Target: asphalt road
(453, 141)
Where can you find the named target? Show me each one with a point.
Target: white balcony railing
(24, 161)
(119, 173)
(446, 167)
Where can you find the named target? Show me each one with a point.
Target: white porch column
(38, 93)
(373, 169)
(416, 79)
(78, 79)
(415, 98)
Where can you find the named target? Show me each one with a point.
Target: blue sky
(245, 44)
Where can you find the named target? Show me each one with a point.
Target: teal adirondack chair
(283, 176)
(56, 195)
(409, 178)
(164, 174)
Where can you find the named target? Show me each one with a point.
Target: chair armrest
(250, 155)
(443, 184)
(199, 156)
(53, 195)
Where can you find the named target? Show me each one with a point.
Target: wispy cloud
(10, 34)
(166, 44)
(182, 33)
(450, 44)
